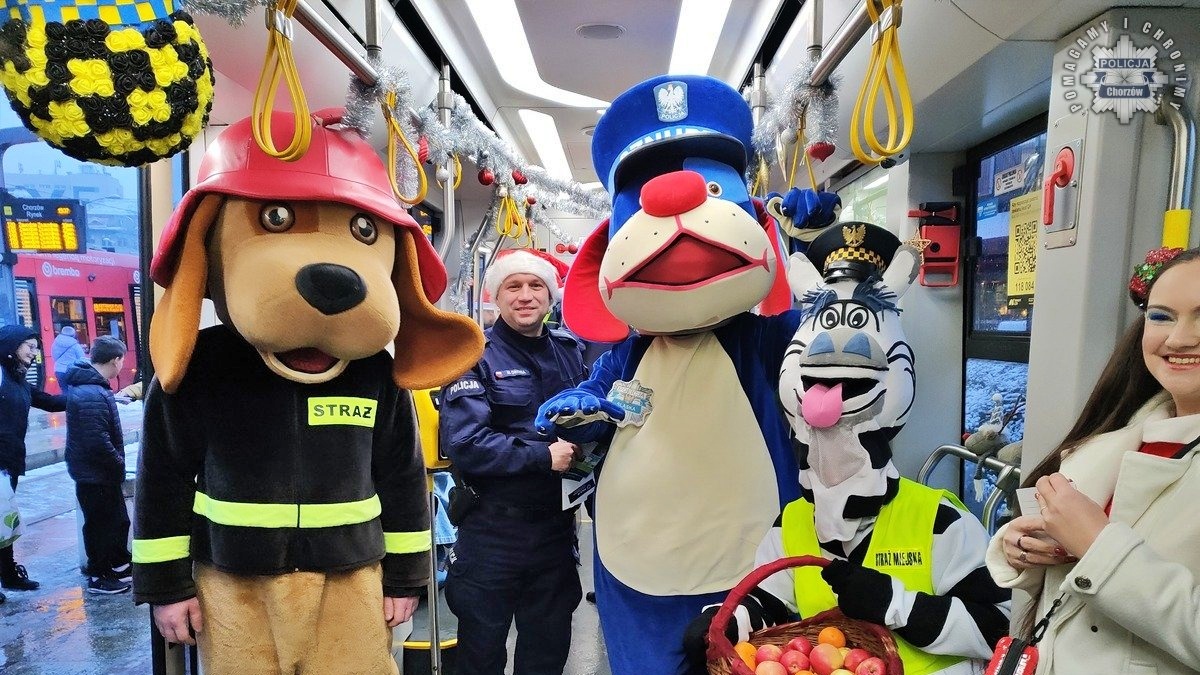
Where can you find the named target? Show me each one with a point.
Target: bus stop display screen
(44, 226)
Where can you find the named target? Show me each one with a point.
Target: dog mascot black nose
(330, 288)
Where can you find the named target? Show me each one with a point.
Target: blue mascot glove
(804, 209)
(577, 416)
(862, 593)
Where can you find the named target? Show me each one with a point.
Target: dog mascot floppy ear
(281, 507)
(699, 463)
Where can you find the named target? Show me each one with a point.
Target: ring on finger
(1019, 546)
(1024, 557)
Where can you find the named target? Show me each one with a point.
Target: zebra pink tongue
(822, 405)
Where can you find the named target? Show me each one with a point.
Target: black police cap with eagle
(852, 250)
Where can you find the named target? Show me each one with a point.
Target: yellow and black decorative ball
(118, 82)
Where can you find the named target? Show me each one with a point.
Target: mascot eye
(857, 318)
(830, 317)
(363, 228)
(277, 218)
(714, 188)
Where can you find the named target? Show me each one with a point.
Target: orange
(746, 651)
(830, 635)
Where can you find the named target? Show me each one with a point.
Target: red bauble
(572, 249)
(530, 200)
(423, 149)
(819, 150)
(560, 248)
(486, 177)
(518, 177)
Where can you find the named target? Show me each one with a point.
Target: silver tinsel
(362, 103)
(233, 11)
(469, 138)
(800, 105)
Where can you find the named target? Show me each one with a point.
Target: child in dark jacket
(96, 462)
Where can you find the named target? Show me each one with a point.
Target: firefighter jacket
(257, 474)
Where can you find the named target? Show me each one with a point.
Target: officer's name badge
(634, 399)
(511, 372)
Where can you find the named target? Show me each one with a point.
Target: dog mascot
(281, 505)
(903, 555)
(699, 462)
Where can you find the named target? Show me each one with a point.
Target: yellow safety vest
(901, 547)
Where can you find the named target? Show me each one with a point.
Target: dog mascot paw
(904, 555)
(699, 462)
(281, 501)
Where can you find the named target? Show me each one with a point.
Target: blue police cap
(691, 115)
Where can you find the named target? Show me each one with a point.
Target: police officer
(516, 551)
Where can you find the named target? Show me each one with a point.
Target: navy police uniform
(516, 551)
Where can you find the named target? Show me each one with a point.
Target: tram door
(27, 315)
(1004, 211)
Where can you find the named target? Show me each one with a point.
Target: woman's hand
(1069, 515)
(1026, 545)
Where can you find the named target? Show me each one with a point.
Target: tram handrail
(357, 63)
(1003, 471)
(840, 45)
(1179, 191)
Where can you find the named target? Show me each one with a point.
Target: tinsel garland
(363, 101)
(800, 105)
(233, 11)
(467, 137)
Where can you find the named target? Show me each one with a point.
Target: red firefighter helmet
(339, 167)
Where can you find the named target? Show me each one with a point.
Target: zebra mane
(875, 296)
(814, 300)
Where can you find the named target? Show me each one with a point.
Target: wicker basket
(722, 660)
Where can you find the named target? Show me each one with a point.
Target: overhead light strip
(696, 35)
(546, 141)
(504, 36)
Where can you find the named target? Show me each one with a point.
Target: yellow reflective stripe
(349, 410)
(248, 514)
(345, 513)
(161, 550)
(407, 542)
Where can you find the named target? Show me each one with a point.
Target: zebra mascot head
(847, 380)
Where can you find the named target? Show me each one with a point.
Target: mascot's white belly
(685, 499)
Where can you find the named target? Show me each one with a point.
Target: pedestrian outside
(96, 462)
(18, 349)
(65, 351)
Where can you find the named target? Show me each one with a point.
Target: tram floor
(61, 630)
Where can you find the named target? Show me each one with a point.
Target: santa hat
(512, 261)
(486, 302)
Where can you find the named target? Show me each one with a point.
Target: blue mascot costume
(699, 463)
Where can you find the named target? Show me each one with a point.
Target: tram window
(109, 195)
(110, 317)
(1007, 204)
(865, 198)
(69, 312)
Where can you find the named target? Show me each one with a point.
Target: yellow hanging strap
(762, 179)
(395, 132)
(457, 173)
(280, 64)
(797, 152)
(510, 223)
(878, 83)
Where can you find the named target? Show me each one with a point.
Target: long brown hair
(1124, 387)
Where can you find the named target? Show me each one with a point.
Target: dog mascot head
(847, 380)
(686, 247)
(313, 262)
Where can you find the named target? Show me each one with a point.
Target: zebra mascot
(902, 555)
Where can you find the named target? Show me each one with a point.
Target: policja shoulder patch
(463, 387)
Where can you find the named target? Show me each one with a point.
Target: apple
(768, 653)
(770, 668)
(794, 661)
(843, 651)
(800, 644)
(872, 666)
(841, 671)
(825, 658)
(855, 657)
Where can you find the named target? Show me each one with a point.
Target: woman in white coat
(1117, 541)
